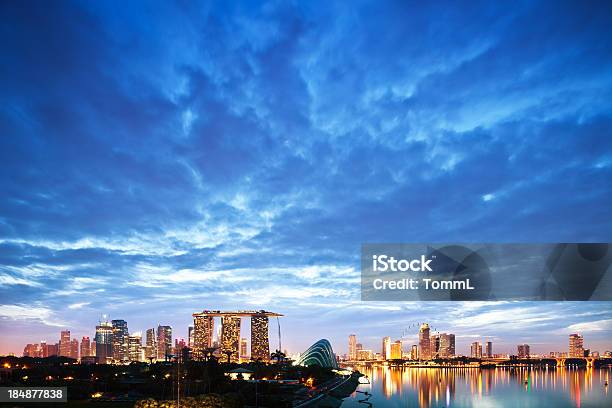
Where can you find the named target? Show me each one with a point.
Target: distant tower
(65, 343)
(85, 347)
(150, 345)
(230, 338)
(576, 345)
(523, 350)
(260, 344)
(203, 329)
(104, 344)
(424, 345)
(120, 340)
(164, 341)
(386, 348)
(489, 349)
(476, 350)
(135, 347)
(190, 337)
(396, 350)
(447, 345)
(74, 349)
(352, 347)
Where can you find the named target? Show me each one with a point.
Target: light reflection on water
(473, 387)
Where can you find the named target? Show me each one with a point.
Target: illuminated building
(260, 345)
(120, 340)
(135, 352)
(164, 342)
(434, 346)
(202, 334)
(396, 350)
(320, 354)
(230, 339)
(31, 350)
(85, 347)
(352, 347)
(243, 350)
(65, 343)
(104, 342)
(190, 336)
(414, 352)
(424, 347)
(52, 350)
(447, 345)
(489, 349)
(364, 355)
(386, 348)
(74, 349)
(151, 345)
(476, 350)
(230, 333)
(576, 345)
(44, 350)
(523, 350)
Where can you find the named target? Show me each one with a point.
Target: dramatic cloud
(159, 159)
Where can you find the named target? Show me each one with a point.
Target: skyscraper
(85, 347)
(434, 345)
(523, 350)
(151, 345)
(65, 343)
(476, 350)
(260, 345)
(352, 347)
(190, 337)
(74, 349)
(447, 345)
(104, 342)
(120, 340)
(414, 352)
(396, 350)
(424, 345)
(164, 342)
(576, 345)
(386, 348)
(230, 338)
(135, 347)
(203, 329)
(489, 349)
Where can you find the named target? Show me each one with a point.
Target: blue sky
(161, 158)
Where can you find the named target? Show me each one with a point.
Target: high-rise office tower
(44, 350)
(434, 345)
(523, 350)
(164, 342)
(150, 345)
(230, 338)
(447, 345)
(260, 344)
(92, 349)
(74, 349)
(576, 345)
(396, 350)
(243, 350)
(386, 348)
(203, 330)
(135, 352)
(476, 350)
(424, 345)
(85, 347)
(190, 337)
(65, 343)
(104, 342)
(120, 340)
(352, 347)
(489, 349)
(414, 352)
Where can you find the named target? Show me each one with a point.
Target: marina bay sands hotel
(204, 325)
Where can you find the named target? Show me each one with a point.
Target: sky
(161, 158)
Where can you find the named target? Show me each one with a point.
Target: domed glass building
(320, 354)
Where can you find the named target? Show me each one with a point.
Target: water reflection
(465, 387)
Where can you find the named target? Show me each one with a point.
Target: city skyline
(160, 158)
